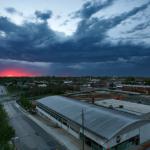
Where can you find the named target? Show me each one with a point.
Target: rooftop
(102, 121)
(125, 106)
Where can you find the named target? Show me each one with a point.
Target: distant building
(104, 127)
(126, 106)
(137, 88)
(68, 82)
(42, 85)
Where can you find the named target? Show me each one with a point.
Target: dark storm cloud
(136, 66)
(44, 15)
(6, 25)
(37, 42)
(91, 7)
(140, 27)
(98, 28)
(12, 10)
(27, 41)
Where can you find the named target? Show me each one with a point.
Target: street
(2, 91)
(30, 136)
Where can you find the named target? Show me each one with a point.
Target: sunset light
(17, 73)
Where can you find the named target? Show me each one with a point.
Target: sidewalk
(70, 142)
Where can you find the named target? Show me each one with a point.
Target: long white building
(105, 128)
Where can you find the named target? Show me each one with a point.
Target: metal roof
(133, 108)
(101, 121)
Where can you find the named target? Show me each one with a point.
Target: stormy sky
(76, 37)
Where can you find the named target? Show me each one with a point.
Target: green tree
(6, 131)
(25, 103)
(147, 82)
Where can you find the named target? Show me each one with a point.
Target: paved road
(31, 136)
(3, 94)
(2, 90)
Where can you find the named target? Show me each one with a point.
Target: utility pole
(82, 129)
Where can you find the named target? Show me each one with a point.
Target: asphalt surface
(2, 90)
(30, 135)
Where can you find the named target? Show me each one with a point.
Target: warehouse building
(103, 128)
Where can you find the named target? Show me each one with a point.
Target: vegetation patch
(6, 131)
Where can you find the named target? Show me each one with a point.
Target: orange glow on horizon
(17, 73)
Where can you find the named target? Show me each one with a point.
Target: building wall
(145, 133)
(68, 128)
(60, 124)
(123, 138)
(95, 138)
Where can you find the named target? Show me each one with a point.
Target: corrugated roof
(101, 121)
